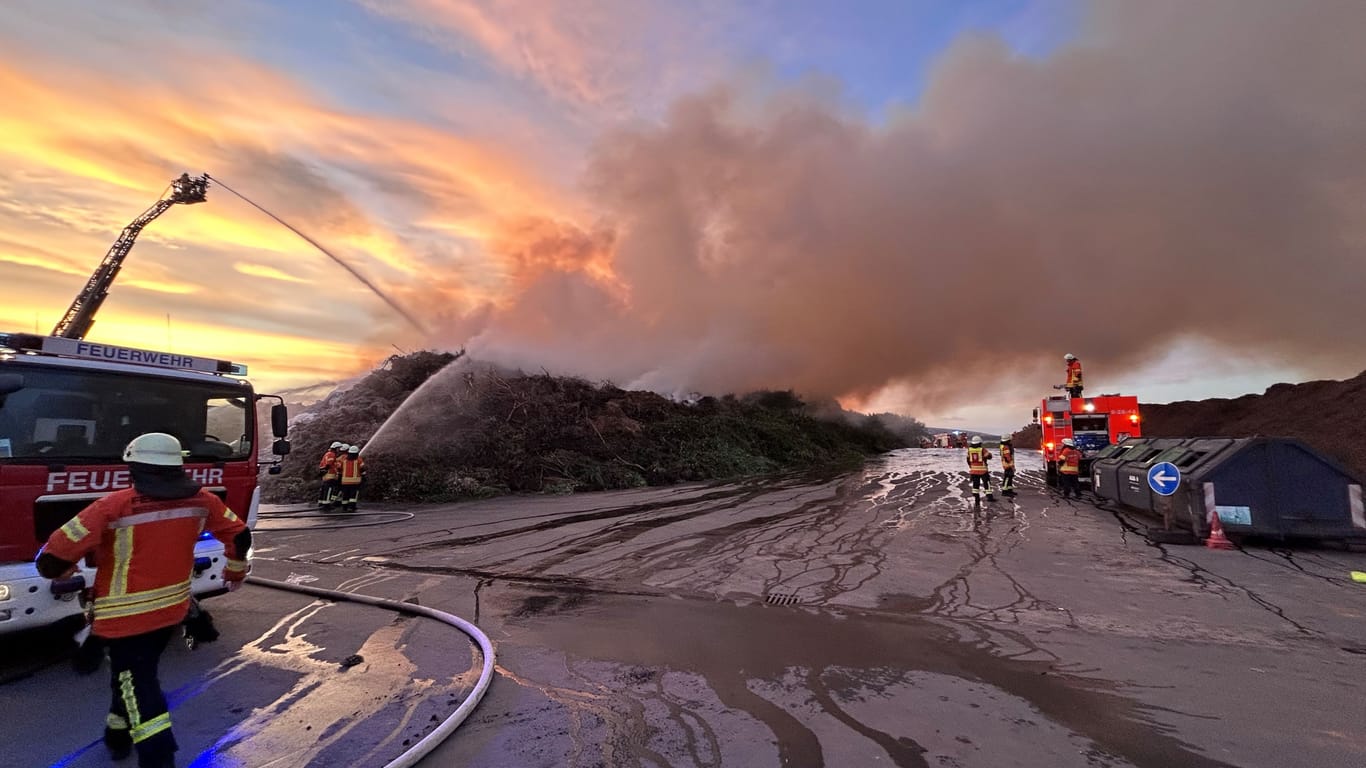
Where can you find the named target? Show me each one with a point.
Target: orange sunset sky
(913, 206)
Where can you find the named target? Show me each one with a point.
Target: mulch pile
(1328, 415)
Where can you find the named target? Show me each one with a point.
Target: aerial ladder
(80, 316)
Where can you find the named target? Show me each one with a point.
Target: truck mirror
(279, 419)
(11, 383)
(281, 448)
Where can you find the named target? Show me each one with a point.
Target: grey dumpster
(1132, 477)
(1105, 467)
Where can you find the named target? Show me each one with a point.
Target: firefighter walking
(143, 539)
(327, 494)
(351, 477)
(978, 472)
(1069, 469)
(1007, 466)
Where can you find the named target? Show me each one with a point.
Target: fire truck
(68, 407)
(1093, 422)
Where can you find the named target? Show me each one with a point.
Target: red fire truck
(67, 409)
(1093, 422)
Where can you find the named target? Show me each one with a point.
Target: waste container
(1277, 487)
(1105, 467)
(1264, 486)
(1131, 481)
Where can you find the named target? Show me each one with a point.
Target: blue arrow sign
(1164, 478)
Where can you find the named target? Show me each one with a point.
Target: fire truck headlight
(4, 592)
(1133, 418)
(1048, 419)
(1090, 407)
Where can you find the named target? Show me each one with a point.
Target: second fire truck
(1093, 422)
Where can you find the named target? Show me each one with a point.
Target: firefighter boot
(118, 741)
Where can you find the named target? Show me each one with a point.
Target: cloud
(1187, 170)
(609, 56)
(269, 273)
(86, 149)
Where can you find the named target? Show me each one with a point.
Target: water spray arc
(394, 305)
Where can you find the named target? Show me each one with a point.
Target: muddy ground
(872, 618)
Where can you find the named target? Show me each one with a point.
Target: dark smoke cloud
(1184, 170)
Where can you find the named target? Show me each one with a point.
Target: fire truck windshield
(54, 413)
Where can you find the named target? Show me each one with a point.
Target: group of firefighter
(343, 473)
(1068, 461)
(1066, 457)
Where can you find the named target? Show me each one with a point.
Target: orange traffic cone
(1217, 539)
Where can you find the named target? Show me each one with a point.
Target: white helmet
(336, 444)
(341, 447)
(1069, 357)
(1069, 442)
(157, 448)
(1006, 438)
(976, 439)
(354, 450)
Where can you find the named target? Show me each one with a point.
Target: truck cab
(1093, 422)
(67, 410)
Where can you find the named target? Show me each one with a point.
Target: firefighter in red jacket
(143, 539)
(977, 470)
(1073, 385)
(327, 494)
(1069, 468)
(1007, 466)
(351, 477)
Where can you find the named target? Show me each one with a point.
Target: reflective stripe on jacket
(144, 550)
(1073, 373)
(1007, 457)
(977, 460)
(351, 470)
(329, 465)
(1069, 461)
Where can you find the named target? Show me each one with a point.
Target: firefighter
(977, 470)
(1069, 468)
(351, 469)
(1007, 466)
(327, 494)
(1073, 385)
(143, 539)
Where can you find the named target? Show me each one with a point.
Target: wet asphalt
(869, 618)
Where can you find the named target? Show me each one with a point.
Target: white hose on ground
(416, 752)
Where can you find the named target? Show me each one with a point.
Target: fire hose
(431, 741)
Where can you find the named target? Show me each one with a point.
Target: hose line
(431, 741)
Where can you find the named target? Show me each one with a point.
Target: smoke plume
(1181, 170)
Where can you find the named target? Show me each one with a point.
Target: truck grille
(51, 514)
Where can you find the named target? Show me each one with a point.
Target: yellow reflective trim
(115, 722)
(146, 606)
(235, 565)
(152, 727)
(123, 557)
(138, 597)
(130, 700)
(228, 514)
(75, 530)
(161, 515)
